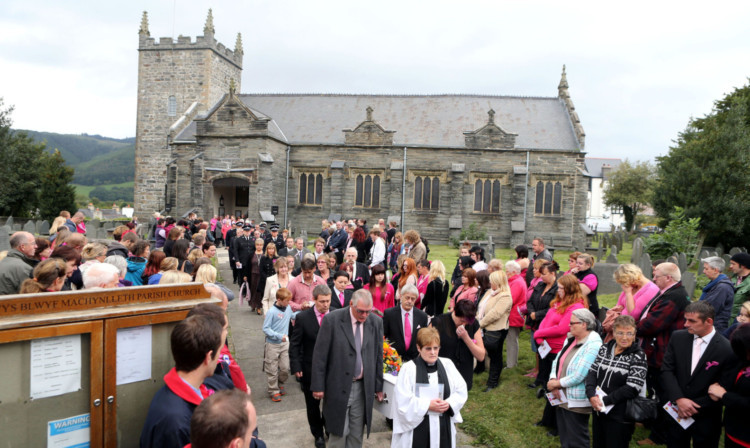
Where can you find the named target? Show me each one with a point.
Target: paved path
(280, 424)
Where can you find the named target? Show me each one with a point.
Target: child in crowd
(276, 358)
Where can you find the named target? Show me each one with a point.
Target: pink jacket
(555, 326)
(518, 293)
(463, 293)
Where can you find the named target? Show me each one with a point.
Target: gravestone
(95, 223)
(703, 254)
(688, 281)
(720, 249)
(17, 227)
(29, 227)
(605, 241)
(612, 258)
(726, 259)
(682, 262)
(637, 250)
(9, 222)
(732, 251)
(600, 252)
(4, 241)
(645, 264)
(5, 230)
(303, 235)
(672, 259)
(43, 228)
(615, 251)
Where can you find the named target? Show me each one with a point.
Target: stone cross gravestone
(29, 227)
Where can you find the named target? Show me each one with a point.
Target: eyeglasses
(575, 323)
(362, 312)
(620, 334)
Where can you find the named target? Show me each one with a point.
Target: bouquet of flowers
(391, 359)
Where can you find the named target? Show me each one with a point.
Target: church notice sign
(71, 432)
(31, 304)
(55, 366)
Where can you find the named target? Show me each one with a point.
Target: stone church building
(435, 163)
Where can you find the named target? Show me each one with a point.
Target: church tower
(172, 76)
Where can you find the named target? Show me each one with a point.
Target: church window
(548, 198)
(367, 191)
(172, 106)
(311, 189)
(426, 193)
(487, 196)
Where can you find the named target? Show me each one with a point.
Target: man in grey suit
(298, 252)
(347, 370)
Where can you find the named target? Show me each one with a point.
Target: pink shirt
(301, 291)
(555, 327)
(464, 293)
(379, 300)
(319, 316)
(641, 299)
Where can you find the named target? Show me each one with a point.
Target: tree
(706, 171)
(55, 192)
(19, 161)
(630, 186)
(33, 181)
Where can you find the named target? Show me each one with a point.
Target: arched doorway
(231, 196)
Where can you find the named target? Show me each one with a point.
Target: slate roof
(594, 165)
(419, 120)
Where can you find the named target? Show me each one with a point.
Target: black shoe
(389, 422)
(539, 423)
(532, 385)
(552, 433)
(320, 442)
(540, 393)
(489, 388)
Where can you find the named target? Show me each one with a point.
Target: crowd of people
(327, 311)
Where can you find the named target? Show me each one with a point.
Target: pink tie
(341, 298)
(320, 319)
(407, 331)
(696, 353)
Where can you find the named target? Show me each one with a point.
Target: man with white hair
(719, 292)
(515, 321)
(360, 272)
(101, 276)
(18, 264)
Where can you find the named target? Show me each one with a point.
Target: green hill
(97, 160)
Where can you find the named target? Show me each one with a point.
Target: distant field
(84, 190)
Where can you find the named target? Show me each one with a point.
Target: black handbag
(641, 409)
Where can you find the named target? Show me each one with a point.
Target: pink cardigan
(464, 294)
(555, 327)
(641, 299)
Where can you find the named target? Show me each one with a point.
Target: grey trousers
(511, 347)
(354, 424)
(573, 428)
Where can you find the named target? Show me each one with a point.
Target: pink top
(464, 294)
(533, 283)
(518, 292)
(319, 315)
(378, 300)
(422, 283)
(590, 281)
(555, 327)
(641, 299)
(81, 227)
(213, 223)
(301, 291)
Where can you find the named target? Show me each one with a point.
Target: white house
(597, 214)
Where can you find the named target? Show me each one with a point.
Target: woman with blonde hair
(275, 282)
(205, 274)
(167, 264)
(637, 290)
(56, 224)
(493, 313)
(49, 276)
(92, 253)
(436, 295)
(174, 276)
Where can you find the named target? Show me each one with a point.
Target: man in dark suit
(395, 326)
(288, 248)
(696, 357)
(337, 242)
(298, 252)
(274, 237)
(243, 248)
(305, 334)
(341, 296)
(360, 272)
(347, 369)
(231, 235)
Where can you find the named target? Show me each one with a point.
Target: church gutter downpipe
(403, 191)
(526, 195)
(286, 186)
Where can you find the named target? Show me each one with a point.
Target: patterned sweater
(621, 377)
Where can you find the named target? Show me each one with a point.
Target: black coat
(266, 270)
(303, 344)
(393, 330)
(435, 297)
(335, 301)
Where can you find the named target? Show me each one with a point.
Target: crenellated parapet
(205, 42)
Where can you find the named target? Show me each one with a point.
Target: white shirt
(706, 339)
(377, 253)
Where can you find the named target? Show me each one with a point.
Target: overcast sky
(637, 70)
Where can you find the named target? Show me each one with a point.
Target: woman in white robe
(411, 410)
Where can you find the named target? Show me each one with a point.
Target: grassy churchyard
(505, 416)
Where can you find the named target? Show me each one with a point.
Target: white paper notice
(55, 366)
(71, 432)
(544, 349)
(133, 354)
(601, 394)
(671, 409)
(554, 401)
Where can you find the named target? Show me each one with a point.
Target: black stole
(421, 434)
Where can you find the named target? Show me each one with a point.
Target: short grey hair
(119, 262)
(361, 295)
(19, 238)
(410, 289)
(587, 317)
(715, 262)
(352, 250)
(513, 266)
(321, 290)
(100, 274)
(299, 238)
